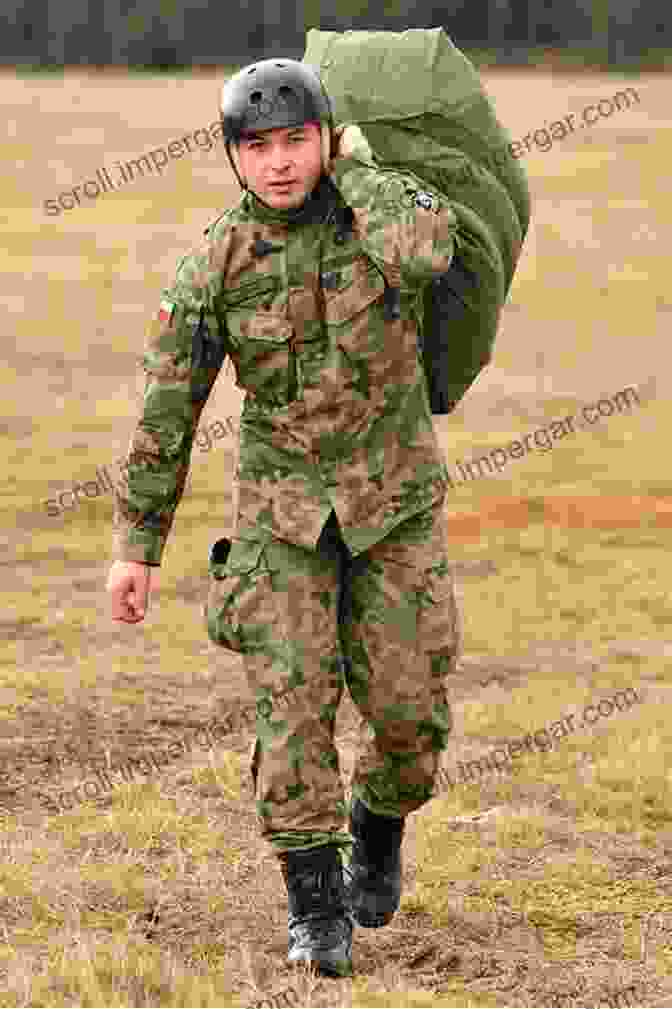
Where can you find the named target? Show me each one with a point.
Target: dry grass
(548, 885)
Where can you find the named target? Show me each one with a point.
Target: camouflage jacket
(317, 311)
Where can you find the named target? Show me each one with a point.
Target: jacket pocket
(240, 587)
(349, 290)
(264, 355)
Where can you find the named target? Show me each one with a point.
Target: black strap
(207, 354)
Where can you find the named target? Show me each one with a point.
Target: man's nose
(280, 159)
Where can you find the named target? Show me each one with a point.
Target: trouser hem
(287, 841)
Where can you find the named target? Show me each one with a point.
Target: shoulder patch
(406, 191)
(426, 200)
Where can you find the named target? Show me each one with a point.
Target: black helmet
(271, 94)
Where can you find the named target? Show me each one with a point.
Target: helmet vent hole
(256, 97)
(285, 91)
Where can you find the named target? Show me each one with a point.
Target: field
(540, 878)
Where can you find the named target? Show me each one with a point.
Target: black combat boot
(320, 926)
(373, 878)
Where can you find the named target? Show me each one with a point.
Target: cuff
(140, 546)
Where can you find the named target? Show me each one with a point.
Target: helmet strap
(325, 136)
(235, 158)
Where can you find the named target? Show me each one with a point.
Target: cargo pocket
(264, 354)
(239, 602)
(440, 634)
(440, 631)
(440, 639)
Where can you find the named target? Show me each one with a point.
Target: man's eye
(258, 145)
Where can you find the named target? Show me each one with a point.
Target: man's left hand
(351, 143)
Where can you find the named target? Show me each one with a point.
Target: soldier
(336, 573)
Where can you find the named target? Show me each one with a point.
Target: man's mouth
(281, 185)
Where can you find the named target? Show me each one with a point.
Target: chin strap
(234, 158)
(325, 137)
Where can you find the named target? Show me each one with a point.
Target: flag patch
(166, 311)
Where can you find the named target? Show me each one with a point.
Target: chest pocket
(263, 353)
(348, 290)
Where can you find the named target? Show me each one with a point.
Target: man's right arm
(177, 387)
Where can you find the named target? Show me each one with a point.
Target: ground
(546, 882)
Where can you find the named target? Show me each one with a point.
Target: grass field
(545, 882)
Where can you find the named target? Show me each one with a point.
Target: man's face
(289, 155)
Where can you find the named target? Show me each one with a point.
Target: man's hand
(350, 142)
(129, 585)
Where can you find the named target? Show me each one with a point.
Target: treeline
(165, 33)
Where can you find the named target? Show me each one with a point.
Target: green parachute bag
(422, 108)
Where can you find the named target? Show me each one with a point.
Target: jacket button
(330, 280)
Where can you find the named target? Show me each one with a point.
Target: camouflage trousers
(310, 622)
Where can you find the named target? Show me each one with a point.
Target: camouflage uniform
(337, 571)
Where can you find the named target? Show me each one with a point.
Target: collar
(318, 207)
